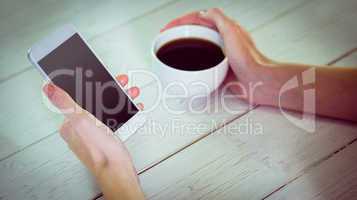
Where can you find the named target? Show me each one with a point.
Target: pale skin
(108, 159)
(335, 86)
(94, 144)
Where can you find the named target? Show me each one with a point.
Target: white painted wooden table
(285, 162)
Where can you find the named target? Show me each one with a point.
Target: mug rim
(182, 27)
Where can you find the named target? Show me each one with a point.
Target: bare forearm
(332, 90)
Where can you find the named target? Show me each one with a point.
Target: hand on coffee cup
(244, 58)
(189, 60)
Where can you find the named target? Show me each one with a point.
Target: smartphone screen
(73, 67)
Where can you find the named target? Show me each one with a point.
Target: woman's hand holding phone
(96, 146)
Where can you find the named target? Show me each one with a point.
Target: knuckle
(99, 161)
(64, 127)
(216, 10)
(232, 26)
(79, 120)
(65, 130)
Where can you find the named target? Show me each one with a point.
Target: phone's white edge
(131, 126)
(37, 66)
(51, 42)
(42, 48)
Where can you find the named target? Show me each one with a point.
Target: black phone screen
(73, 67)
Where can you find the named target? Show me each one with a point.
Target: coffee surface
(190, 54)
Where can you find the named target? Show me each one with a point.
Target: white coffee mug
(200, 82)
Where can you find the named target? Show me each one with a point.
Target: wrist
(119, 181)
(267, 82)
(120, 163)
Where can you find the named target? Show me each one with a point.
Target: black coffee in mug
(190, 54)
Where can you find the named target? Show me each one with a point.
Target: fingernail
(141, 106)
(49, 90)
(121, 82)
(123, 79)
(134, 91)
(203, 13)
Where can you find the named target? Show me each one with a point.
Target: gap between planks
(314, 165)
(148, 84)
(281, 15)
(30, 67)
(92, 38)
(332, 62)
(49, 135)
(187, 145)
(122, 24)
(153, 11)
(25, 147)
(339, 58)
(318, 162)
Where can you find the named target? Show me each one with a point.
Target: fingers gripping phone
(65, 59)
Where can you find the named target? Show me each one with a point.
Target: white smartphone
(66, 59)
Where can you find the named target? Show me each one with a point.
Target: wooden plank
(302, 37)
(24, 118)
(152, 142)
(29, 21)
(66, 179)
(331, 178)
(235, 164)
(16, 171)
(281, 154)
(148, 147)
(335, 178)
(238, 164)
(29, 82)
(322, 182)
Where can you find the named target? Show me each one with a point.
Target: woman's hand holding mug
(244, 58)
